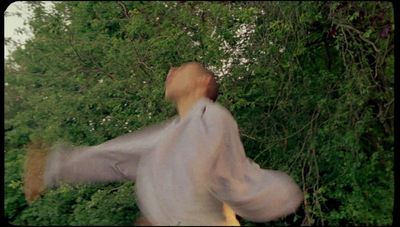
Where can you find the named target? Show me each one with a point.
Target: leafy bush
(309, 83)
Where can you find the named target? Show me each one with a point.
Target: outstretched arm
(253, 193)
(114, 160)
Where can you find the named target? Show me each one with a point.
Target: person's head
(190, 79)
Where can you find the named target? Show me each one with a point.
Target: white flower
(271, 43)
(244, 60)
(130, 131)
(126, 123)
(6, 83)
(196, 43)
(144, 81)
(101, 81)
(157, 18)
(282, 50)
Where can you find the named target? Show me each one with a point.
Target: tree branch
(125, 10)
(360, 35)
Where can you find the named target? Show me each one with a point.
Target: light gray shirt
(189, 171)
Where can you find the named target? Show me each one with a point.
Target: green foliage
(309, 83)
(15, 201)
(112, 204)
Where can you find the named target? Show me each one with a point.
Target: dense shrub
(309, 83)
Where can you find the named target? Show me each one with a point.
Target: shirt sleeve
(254, 193)
(113, 160)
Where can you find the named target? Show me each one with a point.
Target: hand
(35, 162)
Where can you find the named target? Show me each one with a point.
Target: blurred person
(190, 169)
